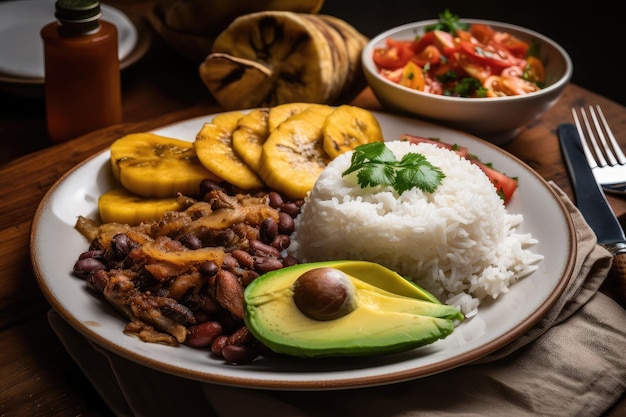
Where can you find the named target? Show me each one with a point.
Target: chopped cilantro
(375, 164)
(467, 87)
(448, 22)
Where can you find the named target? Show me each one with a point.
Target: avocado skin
(392, 314)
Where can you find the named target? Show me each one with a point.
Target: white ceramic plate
(55, 246)
(21, 50)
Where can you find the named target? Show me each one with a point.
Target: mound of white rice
(459, 243)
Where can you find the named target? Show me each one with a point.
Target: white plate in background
(21, 47)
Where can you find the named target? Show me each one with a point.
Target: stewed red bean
(286, 223)
(83, 267)
(268, 230)
(210, 292)
(239, 354)
(203, 334)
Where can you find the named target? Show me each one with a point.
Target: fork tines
(601, 147)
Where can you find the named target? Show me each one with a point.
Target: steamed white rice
(459, 243)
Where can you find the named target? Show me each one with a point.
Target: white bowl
(496, 119)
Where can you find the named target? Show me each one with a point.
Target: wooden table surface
(38, 378)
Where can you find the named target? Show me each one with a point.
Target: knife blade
(592, 202)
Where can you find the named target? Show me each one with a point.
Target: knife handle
(618, 273)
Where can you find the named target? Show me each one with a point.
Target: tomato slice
(394, 56)
(392, 75)
(444, 41)
(464, 35)
(505, 185)
(493, 56)
(483, 33)
(534, 70)
(429, 55)
(418, 45)
(513, 44)
(509, 86)
(474, 68)
(413, 77)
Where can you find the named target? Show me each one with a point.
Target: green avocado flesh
(392, 314)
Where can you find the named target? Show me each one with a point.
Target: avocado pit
(324, 294)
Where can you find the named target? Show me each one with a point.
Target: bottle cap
(78, 13)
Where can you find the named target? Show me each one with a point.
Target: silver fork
(604, 155)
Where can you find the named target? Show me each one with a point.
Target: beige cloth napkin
(571, 363)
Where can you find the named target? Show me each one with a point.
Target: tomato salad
(462, 60)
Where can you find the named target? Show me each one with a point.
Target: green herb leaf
(377, 165)
(448, 22)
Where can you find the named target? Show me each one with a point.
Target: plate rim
(314, 384)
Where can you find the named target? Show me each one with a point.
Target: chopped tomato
(413, 77)
(418, 45)
(512, 72)
(505, 185)
(513, 44)
(509, 86)
(395, 55)
(493, 56)
(444, 41)
(474, 69)
(534, 70)
(483, 33)
(429, 55)
(464, 35)
(392, 75)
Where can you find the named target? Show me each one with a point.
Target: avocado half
(392, 314)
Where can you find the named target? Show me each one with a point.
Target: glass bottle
(82, 72)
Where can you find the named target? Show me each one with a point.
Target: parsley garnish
(377, 165)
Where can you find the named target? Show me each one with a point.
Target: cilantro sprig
(448, 22)
(375, 164)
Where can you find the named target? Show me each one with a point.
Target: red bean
(208, 185)
(290, 260)
(239, 354)
(286, 224)
(218, 344)
(203, 334)
(241, 337)
(244, 258)
(230, 262)
(281, 242)
(83, 267)
(97, 280)
(262, 249)
(290, 208)
(208, 268)
(96, 253)
(268, 230)
(274, 199)
(267, 264)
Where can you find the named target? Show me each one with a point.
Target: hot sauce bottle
(82, 72)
